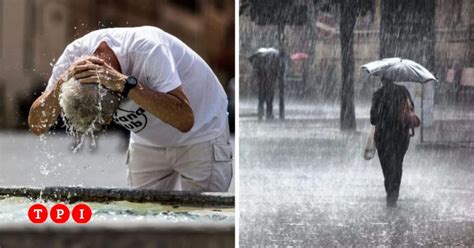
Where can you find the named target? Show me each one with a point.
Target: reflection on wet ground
(305, 183)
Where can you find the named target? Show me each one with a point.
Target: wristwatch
(130, 83)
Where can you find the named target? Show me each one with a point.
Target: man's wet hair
(87, 107)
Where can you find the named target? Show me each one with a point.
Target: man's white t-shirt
(162, 62)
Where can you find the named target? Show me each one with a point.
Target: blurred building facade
(454, 48)
(33, 34)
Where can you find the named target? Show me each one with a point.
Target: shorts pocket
(222, 152)
(221, 170)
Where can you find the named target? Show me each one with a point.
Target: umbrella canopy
(263, 52)
(267, 50)
(299, 56)
(399, 70)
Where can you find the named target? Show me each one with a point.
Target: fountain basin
(121, 218)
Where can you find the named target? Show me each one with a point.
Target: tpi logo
(134, 121)
(59, 213)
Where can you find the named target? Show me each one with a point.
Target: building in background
(320, 74)
(33, 34)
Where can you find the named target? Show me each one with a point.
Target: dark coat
(269, 67)
(385, 115)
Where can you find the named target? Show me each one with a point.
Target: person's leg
(393, 178)
(384, 163)
(149, 168)
(206, 166)
(269, 99)
(397, 178)
(261, 97)
(398, 165)
(388, 162)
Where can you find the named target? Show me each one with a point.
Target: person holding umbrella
(391, 136)
(392, 114)
(269, 68)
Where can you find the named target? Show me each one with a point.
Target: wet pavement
(305, 183)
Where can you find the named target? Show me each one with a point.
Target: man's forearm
(168, 107)
(45, 111)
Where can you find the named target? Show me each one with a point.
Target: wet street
(304, 183)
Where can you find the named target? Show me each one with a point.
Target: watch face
(132, 80)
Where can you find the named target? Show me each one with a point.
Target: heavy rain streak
(307, 106)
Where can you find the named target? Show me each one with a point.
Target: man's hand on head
(45, 109)
(80, 65)
(95, 70)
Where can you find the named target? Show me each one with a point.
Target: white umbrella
(399, 70)
(264, 52)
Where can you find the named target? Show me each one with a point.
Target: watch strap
(130, 83)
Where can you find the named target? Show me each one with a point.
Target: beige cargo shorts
(205, 166)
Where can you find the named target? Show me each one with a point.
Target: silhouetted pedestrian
(392, 136)
(269, 68)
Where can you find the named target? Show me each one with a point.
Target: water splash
(46, 165)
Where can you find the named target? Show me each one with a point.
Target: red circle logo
(81, 213)
(59, 213)
(37, 213)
